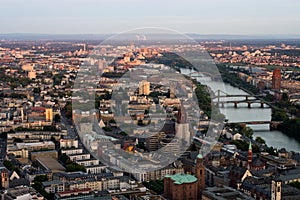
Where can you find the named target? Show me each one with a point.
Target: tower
(144, 88)
(49, 114)
(172, 90)
(200, 174)
(182, 126)
(4, 178)
(84, 47)
(250, 155)
(276, 79)
(276, 190)
(22, 114)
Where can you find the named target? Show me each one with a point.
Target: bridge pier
(249, 105)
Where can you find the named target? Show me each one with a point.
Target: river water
(243, 114)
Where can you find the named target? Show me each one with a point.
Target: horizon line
(237, 34)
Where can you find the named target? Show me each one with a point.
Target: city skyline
(136, 99)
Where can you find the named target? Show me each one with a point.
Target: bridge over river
(222, 98)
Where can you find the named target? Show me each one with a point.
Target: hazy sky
(187, 16)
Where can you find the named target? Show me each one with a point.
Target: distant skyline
(234, 17)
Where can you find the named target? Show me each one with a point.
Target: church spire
(250, 155)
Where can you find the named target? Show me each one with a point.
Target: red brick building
(276, 79)
(200, 174)
(180, 187)
(186, 186)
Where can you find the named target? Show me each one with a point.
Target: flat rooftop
(50, 164)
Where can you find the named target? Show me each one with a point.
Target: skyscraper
(49, 114)
(172, 90)
(182, 126)
(276, 79)
(144, 88)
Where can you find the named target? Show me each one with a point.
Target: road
(67, 123)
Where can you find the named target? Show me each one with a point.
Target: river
(243, 114)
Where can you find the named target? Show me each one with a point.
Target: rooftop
(182, 178)
(49, 183)
(50, 163)
(200, 156)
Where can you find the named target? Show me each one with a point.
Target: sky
(237, 17)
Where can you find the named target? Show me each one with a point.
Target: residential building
(54, 186)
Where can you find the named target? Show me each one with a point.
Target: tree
(107, 129)
(65, 159)
(68, 110)
(295, 184)
(141, 145)
(156, 186)
(278, 115)
(57, 78)
(8, 164)
(246, 131)
(40, 178)
(240, 144)
(57, 118)
(36, 90)
(260, 140)
(112, 121)
(11, 167)
(38, 186)
(140, 122)
(291, 127)
(18, 140)
(74, 167)
(50, 128)
(285, 97)
(123, 133)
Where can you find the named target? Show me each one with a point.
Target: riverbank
(275, 139)
(290, 126)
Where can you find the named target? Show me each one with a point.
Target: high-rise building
(144, 88)
(183, 132)
(153, 142)
(49, 114)
(102, 65)
(182, 126)
(276, 79)
(276, 190)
